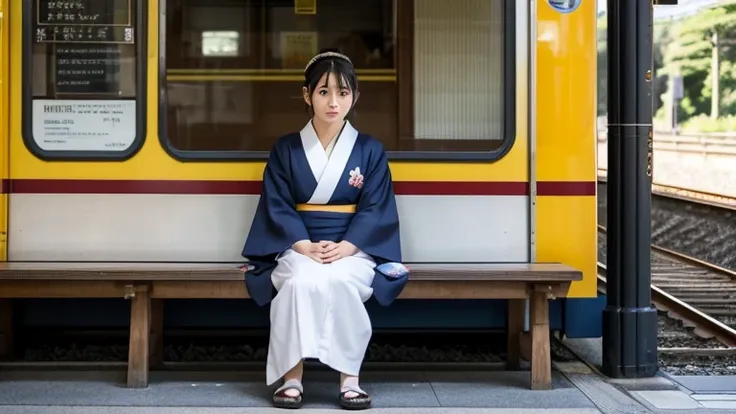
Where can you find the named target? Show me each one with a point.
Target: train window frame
(141, 93)
(405, 69)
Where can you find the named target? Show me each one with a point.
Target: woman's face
(329, 102)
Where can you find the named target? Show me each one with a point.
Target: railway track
(699, 294)
(719, 144)
(685, 194)
(245, 350)
(691, 339)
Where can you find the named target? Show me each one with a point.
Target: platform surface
(497, 389)
(576, 390)
(715, 392)
(664, 393)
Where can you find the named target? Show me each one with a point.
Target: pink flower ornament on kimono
(356, 178)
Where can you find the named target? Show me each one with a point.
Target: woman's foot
(289, 395)
(352, 397)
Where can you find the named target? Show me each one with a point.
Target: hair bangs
(341, 70)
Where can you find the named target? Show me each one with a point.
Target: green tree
(602, 67)
(687, 48)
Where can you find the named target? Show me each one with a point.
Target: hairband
(324, 55)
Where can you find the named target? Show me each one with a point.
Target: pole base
(630, 342)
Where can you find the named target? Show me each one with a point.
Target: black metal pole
(629, 320)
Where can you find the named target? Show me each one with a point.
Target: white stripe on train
(212, 228)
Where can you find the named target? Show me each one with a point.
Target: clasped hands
(325, 251)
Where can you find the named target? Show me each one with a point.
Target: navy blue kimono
(299, 178)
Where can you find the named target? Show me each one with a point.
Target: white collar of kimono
(327, 171)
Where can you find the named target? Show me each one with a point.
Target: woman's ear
(307, 99)
(355, 99)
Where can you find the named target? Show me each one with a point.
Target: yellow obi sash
(332, 208)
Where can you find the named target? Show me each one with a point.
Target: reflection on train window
(431, 72)
(83, 90)
(220, 43)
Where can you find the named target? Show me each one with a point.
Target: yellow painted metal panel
(4, 118)
(566, 93)
(566, 139)
(566, 232)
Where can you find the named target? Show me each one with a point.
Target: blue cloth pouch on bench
(257, 276)
(388, 282)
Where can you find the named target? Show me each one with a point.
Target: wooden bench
(147, 285)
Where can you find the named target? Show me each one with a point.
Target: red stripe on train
(566, 188)
(495, 188)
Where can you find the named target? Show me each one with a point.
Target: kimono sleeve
(276, 224)
(374, 228)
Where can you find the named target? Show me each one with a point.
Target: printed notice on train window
(87, 69)
(84, 125)
(91, 21)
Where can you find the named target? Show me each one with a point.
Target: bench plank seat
(119, 271)
(147, 284)
(525, 272)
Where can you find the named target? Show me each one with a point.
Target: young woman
(327, 215)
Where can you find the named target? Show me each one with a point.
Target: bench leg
(515, 327)
(156, 352)
(140, 314)
(541, 362)
(6, 329)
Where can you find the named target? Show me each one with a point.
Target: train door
(5, 304)
(4, 127)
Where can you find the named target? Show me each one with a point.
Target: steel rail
(711, 199)
(703, 324)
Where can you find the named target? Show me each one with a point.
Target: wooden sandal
(283, 400)
(360, 402)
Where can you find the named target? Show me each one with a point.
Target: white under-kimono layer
(319, 310)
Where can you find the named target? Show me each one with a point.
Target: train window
(85, 98)
(436, 76)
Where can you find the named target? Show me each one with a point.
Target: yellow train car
(137, 130)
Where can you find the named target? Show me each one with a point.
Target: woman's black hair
(334, 62)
